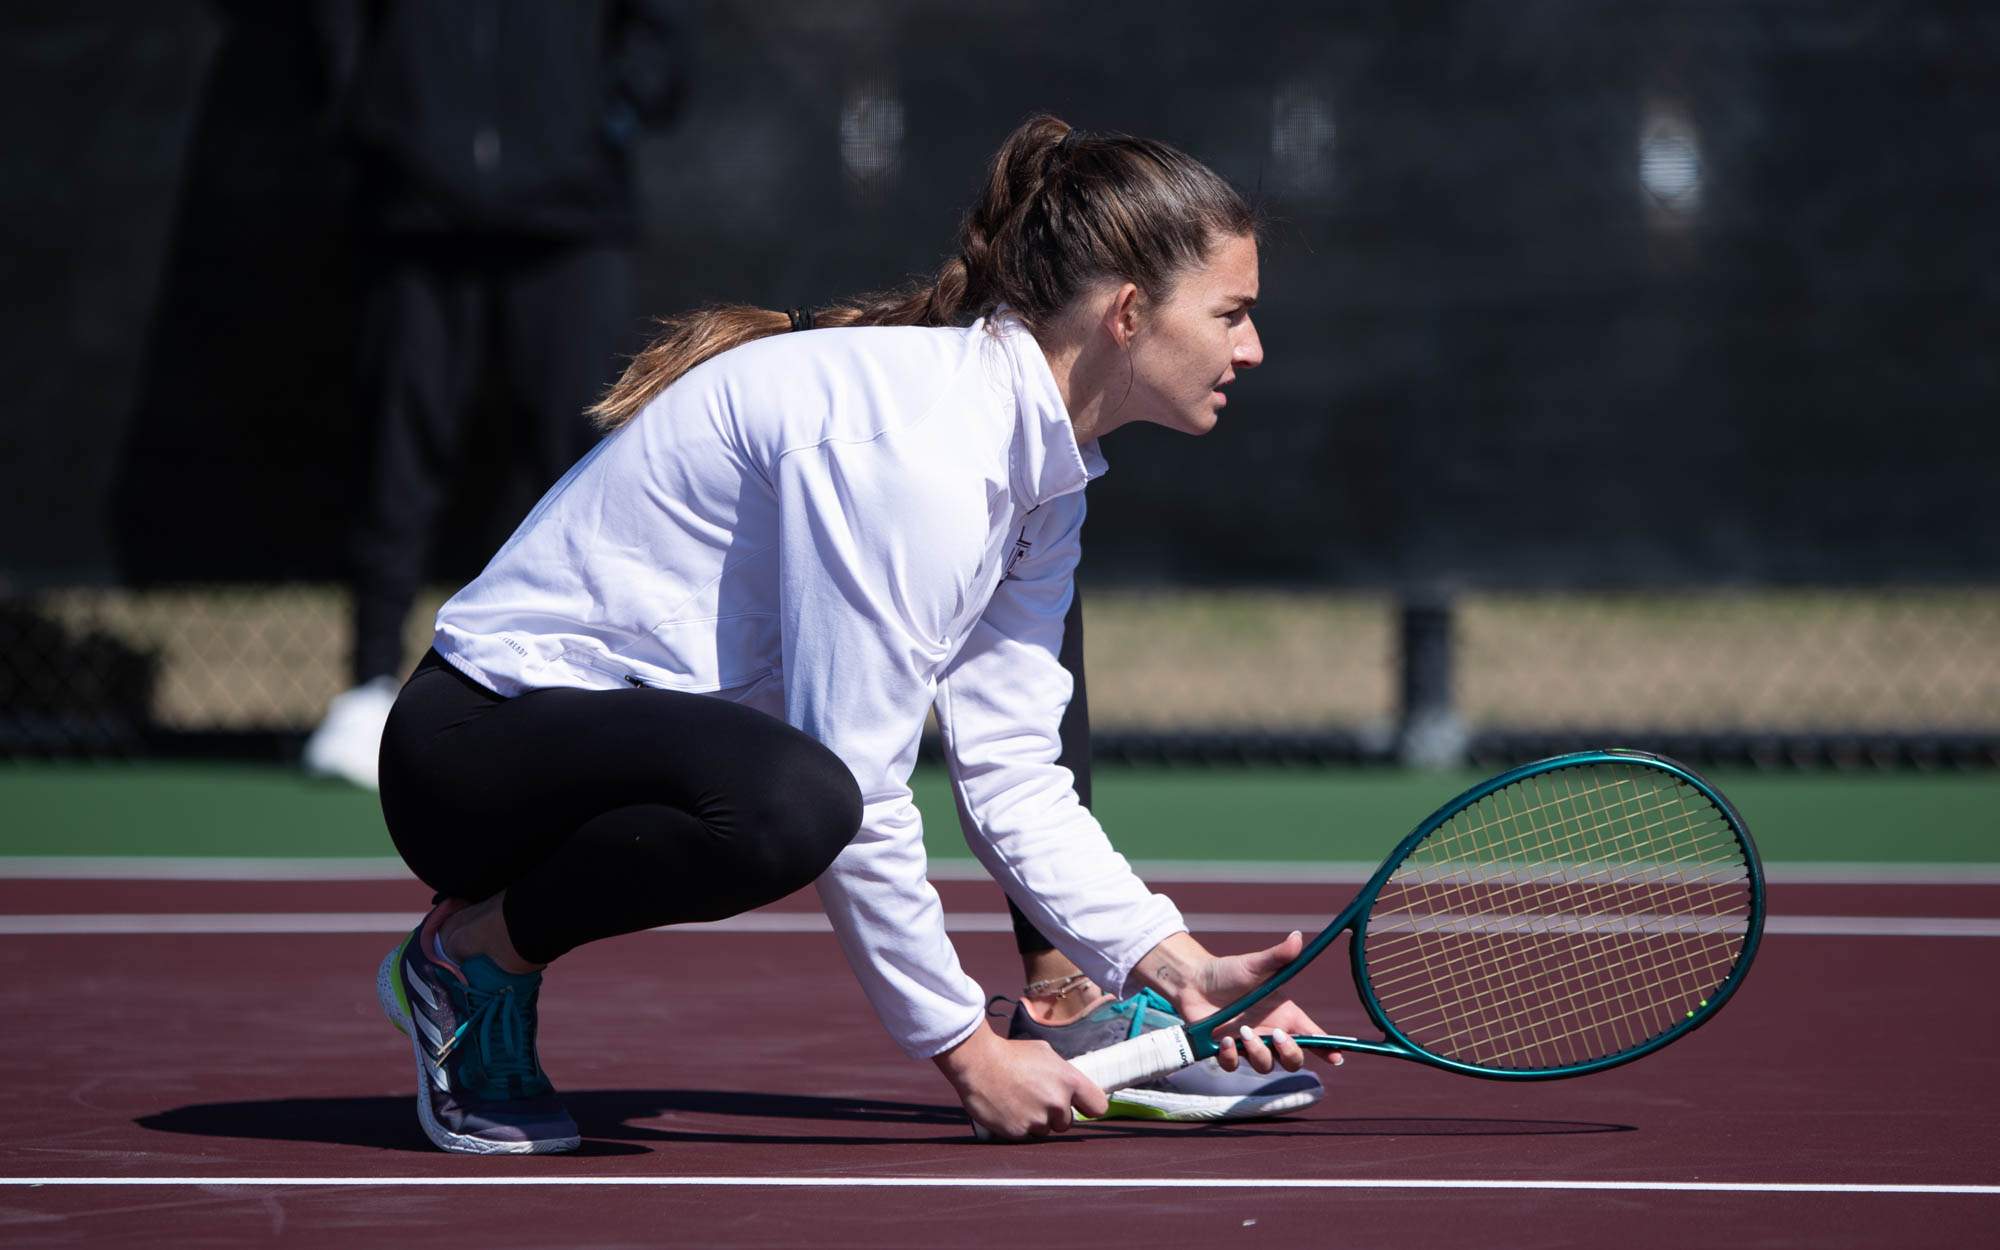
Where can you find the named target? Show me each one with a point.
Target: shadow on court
(617, 1121)
(379, 1123)
(611, 1119)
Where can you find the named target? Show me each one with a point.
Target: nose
(1249, 351)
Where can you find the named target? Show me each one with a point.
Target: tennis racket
(1562, 918)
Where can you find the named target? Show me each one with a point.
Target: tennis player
(694, 679)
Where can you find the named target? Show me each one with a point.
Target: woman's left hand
(1199, 984)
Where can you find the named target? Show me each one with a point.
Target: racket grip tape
(1138, 1060)
(1127, 1063)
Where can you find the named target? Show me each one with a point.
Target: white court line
(164, 923)
(978, 1182)
(1264, 872)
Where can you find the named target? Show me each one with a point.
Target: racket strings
(1686, 965)
(1555, 978)
(1571, 916)
(1517, 902)
(1553, 969)
(1573, 1015)
(1563, 983)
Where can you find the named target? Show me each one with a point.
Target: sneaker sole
(1147, 1104)
(389, 989)
(396, 1005)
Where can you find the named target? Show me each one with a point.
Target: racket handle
(1137, 1060)
(1130, 1062)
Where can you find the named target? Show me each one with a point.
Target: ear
(1121, 315)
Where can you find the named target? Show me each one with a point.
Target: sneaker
(349, 739)
(480, 1089)
(1200, 1092)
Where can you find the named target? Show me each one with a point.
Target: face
(1186, 350)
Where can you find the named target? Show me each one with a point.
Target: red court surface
(175, 1077)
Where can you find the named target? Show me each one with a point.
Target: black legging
(603, 812)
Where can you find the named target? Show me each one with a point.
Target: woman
(695, 678)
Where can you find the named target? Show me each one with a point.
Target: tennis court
(196, 1054)
(1622, 384)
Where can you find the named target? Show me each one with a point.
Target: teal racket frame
(1394, 1042)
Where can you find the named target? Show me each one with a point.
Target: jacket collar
(1047, 461)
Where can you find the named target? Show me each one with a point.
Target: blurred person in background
(492, 141)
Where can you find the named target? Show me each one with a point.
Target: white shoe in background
(348, 742)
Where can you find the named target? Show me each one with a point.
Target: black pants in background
(549, 316)
(603, 812)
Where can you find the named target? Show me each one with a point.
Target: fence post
(1431, 734)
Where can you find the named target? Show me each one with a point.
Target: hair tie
(802, 318)
(1067, 145)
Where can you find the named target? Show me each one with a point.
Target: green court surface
(1153, 814)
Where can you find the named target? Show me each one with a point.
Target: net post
(1431, 734)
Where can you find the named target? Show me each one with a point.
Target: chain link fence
(1857, 678)
(1554, 293)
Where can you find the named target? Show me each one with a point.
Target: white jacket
(845, 528)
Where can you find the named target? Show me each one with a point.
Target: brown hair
(1062, 210)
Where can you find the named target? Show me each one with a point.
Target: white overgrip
(1138, 1060)
(1128, 1063)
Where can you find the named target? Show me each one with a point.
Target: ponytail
(1061, 211)
(690, 338)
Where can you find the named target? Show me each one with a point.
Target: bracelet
(1059, 986)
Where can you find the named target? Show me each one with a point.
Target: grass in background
(1359, 814)
(1221, 813)
(184, 809)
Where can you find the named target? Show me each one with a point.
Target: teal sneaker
(480, 1088)
(1201, 1092)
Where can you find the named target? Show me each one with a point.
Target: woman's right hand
(1017, 1089)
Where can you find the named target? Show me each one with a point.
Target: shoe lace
(502, 1024)
(1137, 1006)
